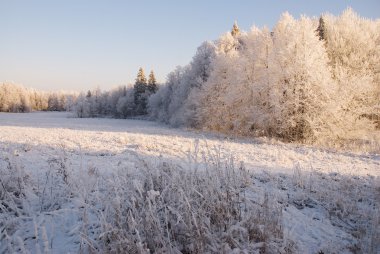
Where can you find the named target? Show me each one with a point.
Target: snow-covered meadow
(72, 185)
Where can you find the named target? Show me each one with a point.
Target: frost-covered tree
(53, 104)
(57, 101)
(353, 46)
(16, 98)
(178, 97)
(82, 107)
(111, 99)
(212, 112)
(25, 105)
(95, 102)
(125, 105)
(247, 99)
(70, 102)
(302, 88)
(159, 103)
(194, 77)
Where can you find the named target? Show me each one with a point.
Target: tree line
(122, 102)
(18, 99)
(306, 80)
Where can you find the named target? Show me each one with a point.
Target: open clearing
(329, 200)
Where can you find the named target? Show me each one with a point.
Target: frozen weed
(351, 202)
(14, 187)
(168, 209)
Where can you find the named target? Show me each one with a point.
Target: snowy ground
(329, 200)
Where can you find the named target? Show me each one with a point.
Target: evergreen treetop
(321, 30)
(152, 83)
(235, 30)
(152, 79)
(141, 79)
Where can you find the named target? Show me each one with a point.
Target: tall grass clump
(15, 185)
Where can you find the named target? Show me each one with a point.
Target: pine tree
(141, 79)
(321, 30)
(235, 30)
(140, 96)
(152, 83)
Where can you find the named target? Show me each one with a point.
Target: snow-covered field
(61, 179)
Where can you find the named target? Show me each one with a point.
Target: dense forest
(309, 80)
(306, 80)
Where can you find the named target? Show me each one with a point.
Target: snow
(299, 176)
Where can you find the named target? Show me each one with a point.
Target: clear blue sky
(78, 44)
